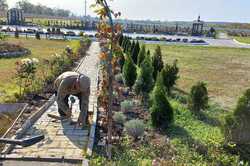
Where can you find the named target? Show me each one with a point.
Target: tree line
(29, 8)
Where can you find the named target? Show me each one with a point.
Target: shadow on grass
(182, 134)
(208, 119)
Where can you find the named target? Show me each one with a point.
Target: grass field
(243, 39)
(40, 49)
(225, 70)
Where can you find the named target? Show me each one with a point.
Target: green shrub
(129, 72)
(170, 76)
(144, 82)
(157, 61)
(198, 98)
(141, 55)
(237, 124)
(119, 118)
(161, 111)
(127, 105)
(135, 128)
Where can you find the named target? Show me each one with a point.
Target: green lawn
(41, 49)
(243, 39)
(225, 70)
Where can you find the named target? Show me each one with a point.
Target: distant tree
(3, 5)
(39, 9)
(38, 37)
(129, 72)
(142, 55)
(135, 52)
(162, 114)
(16, 33)
(157, 61)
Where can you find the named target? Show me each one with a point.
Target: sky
(164, 10)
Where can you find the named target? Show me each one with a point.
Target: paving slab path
(63, 140)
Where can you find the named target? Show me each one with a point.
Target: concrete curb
(94, 122)
(47, 159)
(240, 43)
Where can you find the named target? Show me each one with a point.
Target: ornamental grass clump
(119, 118)
(135, 128)
(127, 105)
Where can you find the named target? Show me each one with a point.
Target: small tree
(144, 82)
(135, 52)
(38, 37)
(16, 33)
(129, 72)
(198, 98)
(157, 61)
(170, 76)
(237, 124)
(25, 73)
(142, 55)
(161, 111)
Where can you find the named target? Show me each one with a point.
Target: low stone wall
(15, 54)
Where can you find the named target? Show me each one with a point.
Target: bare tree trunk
(110, 82)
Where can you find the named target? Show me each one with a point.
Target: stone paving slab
(63, 140)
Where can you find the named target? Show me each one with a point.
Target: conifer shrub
(121, 61)
(129, 72)
(119, 118)
(132, 47)
(141, 55)
(162, 114)
(170, 76)
(144, 82)
(157, 61)
(237, 123)
(135, 128)
(121, 38)
(198, 97)
(135, 52)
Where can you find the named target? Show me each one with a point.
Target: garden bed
(36, 99)
(8, 50)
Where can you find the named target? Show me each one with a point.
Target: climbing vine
(108, 34)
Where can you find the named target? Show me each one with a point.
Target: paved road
(63, 140)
